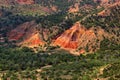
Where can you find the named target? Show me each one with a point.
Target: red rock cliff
(79, 38)
(26, 34)
(72, 37)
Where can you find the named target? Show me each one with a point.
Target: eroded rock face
(69, 39)
(19, 31)
(26, 34)
(33, 41)
(78, 38)
(25, 1)
(74, 8)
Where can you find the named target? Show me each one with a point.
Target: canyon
(77, 38)
(59, 39)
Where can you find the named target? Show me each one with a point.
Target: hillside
(80, 30)
(59, 39)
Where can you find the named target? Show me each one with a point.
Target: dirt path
(101, 72)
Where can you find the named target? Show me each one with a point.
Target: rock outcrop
(26, 34)
(78, 38)
(81, 39)
(25, 1)
(33, 41)
(74, 8)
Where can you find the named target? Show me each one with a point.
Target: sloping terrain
(59, 39)
(27, 33)
(79, 25)
(80, 38)
(25, 1)
(88, 36)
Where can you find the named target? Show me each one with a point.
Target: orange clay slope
(26, 34)
(75, 36)
(25, 1)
